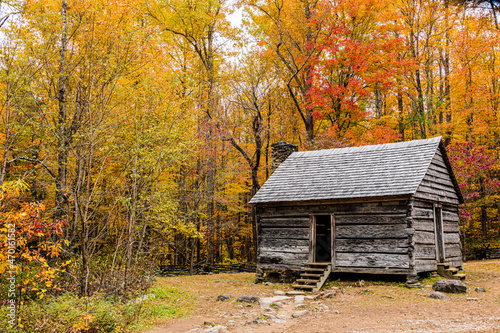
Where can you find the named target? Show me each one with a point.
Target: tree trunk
(447, 94)
(61, 199)
(401, 116)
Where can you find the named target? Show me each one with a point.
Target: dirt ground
(367, 305)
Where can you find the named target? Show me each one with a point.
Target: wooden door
(438, 230)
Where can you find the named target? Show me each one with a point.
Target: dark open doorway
(323, 251)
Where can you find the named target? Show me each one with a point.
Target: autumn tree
(291, 32)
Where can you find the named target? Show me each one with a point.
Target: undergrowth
(99, 313)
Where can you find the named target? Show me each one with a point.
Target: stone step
(303, 286)
(443, 264)
(460, 276)
(452, 270)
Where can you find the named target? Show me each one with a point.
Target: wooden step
(326, 263)
(443, 264)
(314, 278)
(314, 269)
(303, 286)
(448, 272)
(310, 275)
(307, 281)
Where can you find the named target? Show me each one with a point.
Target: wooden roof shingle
(390, 169)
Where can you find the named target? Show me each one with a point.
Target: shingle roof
(355, 172)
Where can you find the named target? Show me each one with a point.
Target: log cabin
(383, 209)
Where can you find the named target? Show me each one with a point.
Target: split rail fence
(175, 270)
(479, 254)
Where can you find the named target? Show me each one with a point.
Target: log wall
(436, 187)
(283, 242)
(372, 242)
(370, 237)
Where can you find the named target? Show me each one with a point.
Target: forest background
(135, 132)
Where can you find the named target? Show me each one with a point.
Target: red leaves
(356, 60)
(472, 165)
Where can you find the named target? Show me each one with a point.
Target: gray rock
(480, 290)
(248, 299)
(299, 298)
(278, 320)
(301, 313)
(278, 304)
(472, 299)
(279, 292)
(256, 322)
(412, 281)
(450, 286)
(438, 295)
(280, 298)
(266, 302)
(295, 293)
(324, 306)
(412, 278)
(329, 294)
(214, 329)
(224, 297)
(268, 316)
(234, 323)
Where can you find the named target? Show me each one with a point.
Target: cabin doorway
(438, 229)
(322, 238)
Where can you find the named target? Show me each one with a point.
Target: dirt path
(371, 306)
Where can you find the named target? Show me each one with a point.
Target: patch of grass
(167, 303)
(430, 279)
(99, 313)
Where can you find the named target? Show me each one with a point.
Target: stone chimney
(279, 153)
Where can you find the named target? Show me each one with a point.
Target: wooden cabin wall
(370, 237)
(424, 238)
(283, 242)
(372, 243)
(436, 187)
